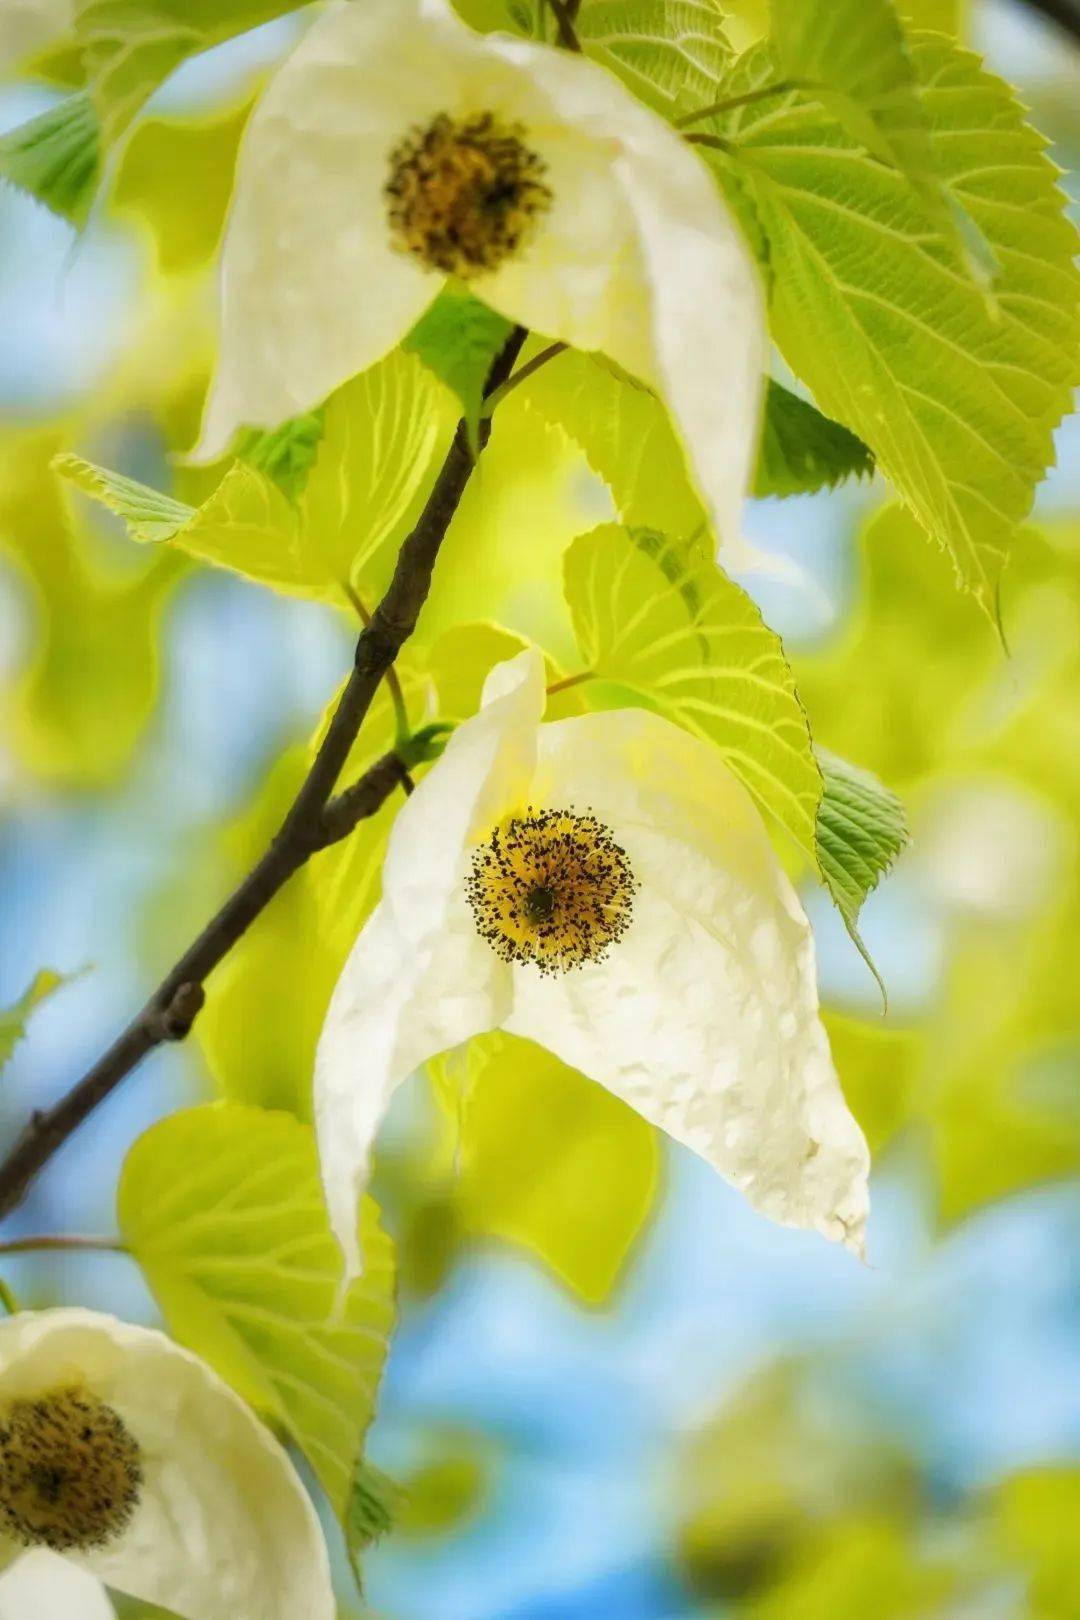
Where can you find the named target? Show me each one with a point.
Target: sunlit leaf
(89, 681)
(670, 52)
(661, 622)
(987, 1073)
(629, 442)
(130, 46)
(772, 1477)
(148, 513)
(574, 1187)
(222, 1207)
(956, 400)
(877, 1063)
(853, 54)
(175, 178)
(624, 432)
(1036, 1514)
(380, 437)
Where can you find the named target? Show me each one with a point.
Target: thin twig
(313, 821)
(730, 103)
(520, 375)
(64, 1241)
(568, 681)
(717, 142)
(1065, 13)
(565, 12)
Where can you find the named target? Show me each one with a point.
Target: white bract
(44, 1586)
(396, 146)
(603, 886)
(126, 1457)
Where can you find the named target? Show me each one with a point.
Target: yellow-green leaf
(81, 701)
(548, 1159)
(671, 53)
(175, 179)
(1035, 1516)
(222, 1207)
(13, 1019)
(382, 435)
(56, 157)
(659, 620)
(957, 400)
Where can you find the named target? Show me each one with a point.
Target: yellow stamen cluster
(70, 1471)
(464, 193)
(551, 888)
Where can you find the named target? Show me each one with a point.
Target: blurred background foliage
(612, 1390)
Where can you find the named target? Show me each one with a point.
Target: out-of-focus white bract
(219, 1526)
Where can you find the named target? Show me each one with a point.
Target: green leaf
(659, 620)
(174, 180)
(625, 434)
(877, 1064)
(485, 15)
(148, 514)
(382, 434)
(458, 338)
(575, 1188)
(855, 56)
(222, 1207)
(656, 618)
(803, 451)
(13, 1019)
(82, 699)
(56, 157)
(917, 687)
(1035, 1516)
(671, 53)
(957, 401)
(131, 46)
(373, 1504)
(286, 453)
(861, 830)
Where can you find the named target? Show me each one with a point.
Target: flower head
(129, 1457)
(396, 147)
(605, 887)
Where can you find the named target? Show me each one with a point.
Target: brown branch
(565, 12)
(393, 684)
(1065, 13)
(314, 821)
(64, 1242)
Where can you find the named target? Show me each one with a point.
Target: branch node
(175, 1020)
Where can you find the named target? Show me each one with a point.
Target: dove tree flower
(126, 1456)
(605, 887)
(397, 148)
